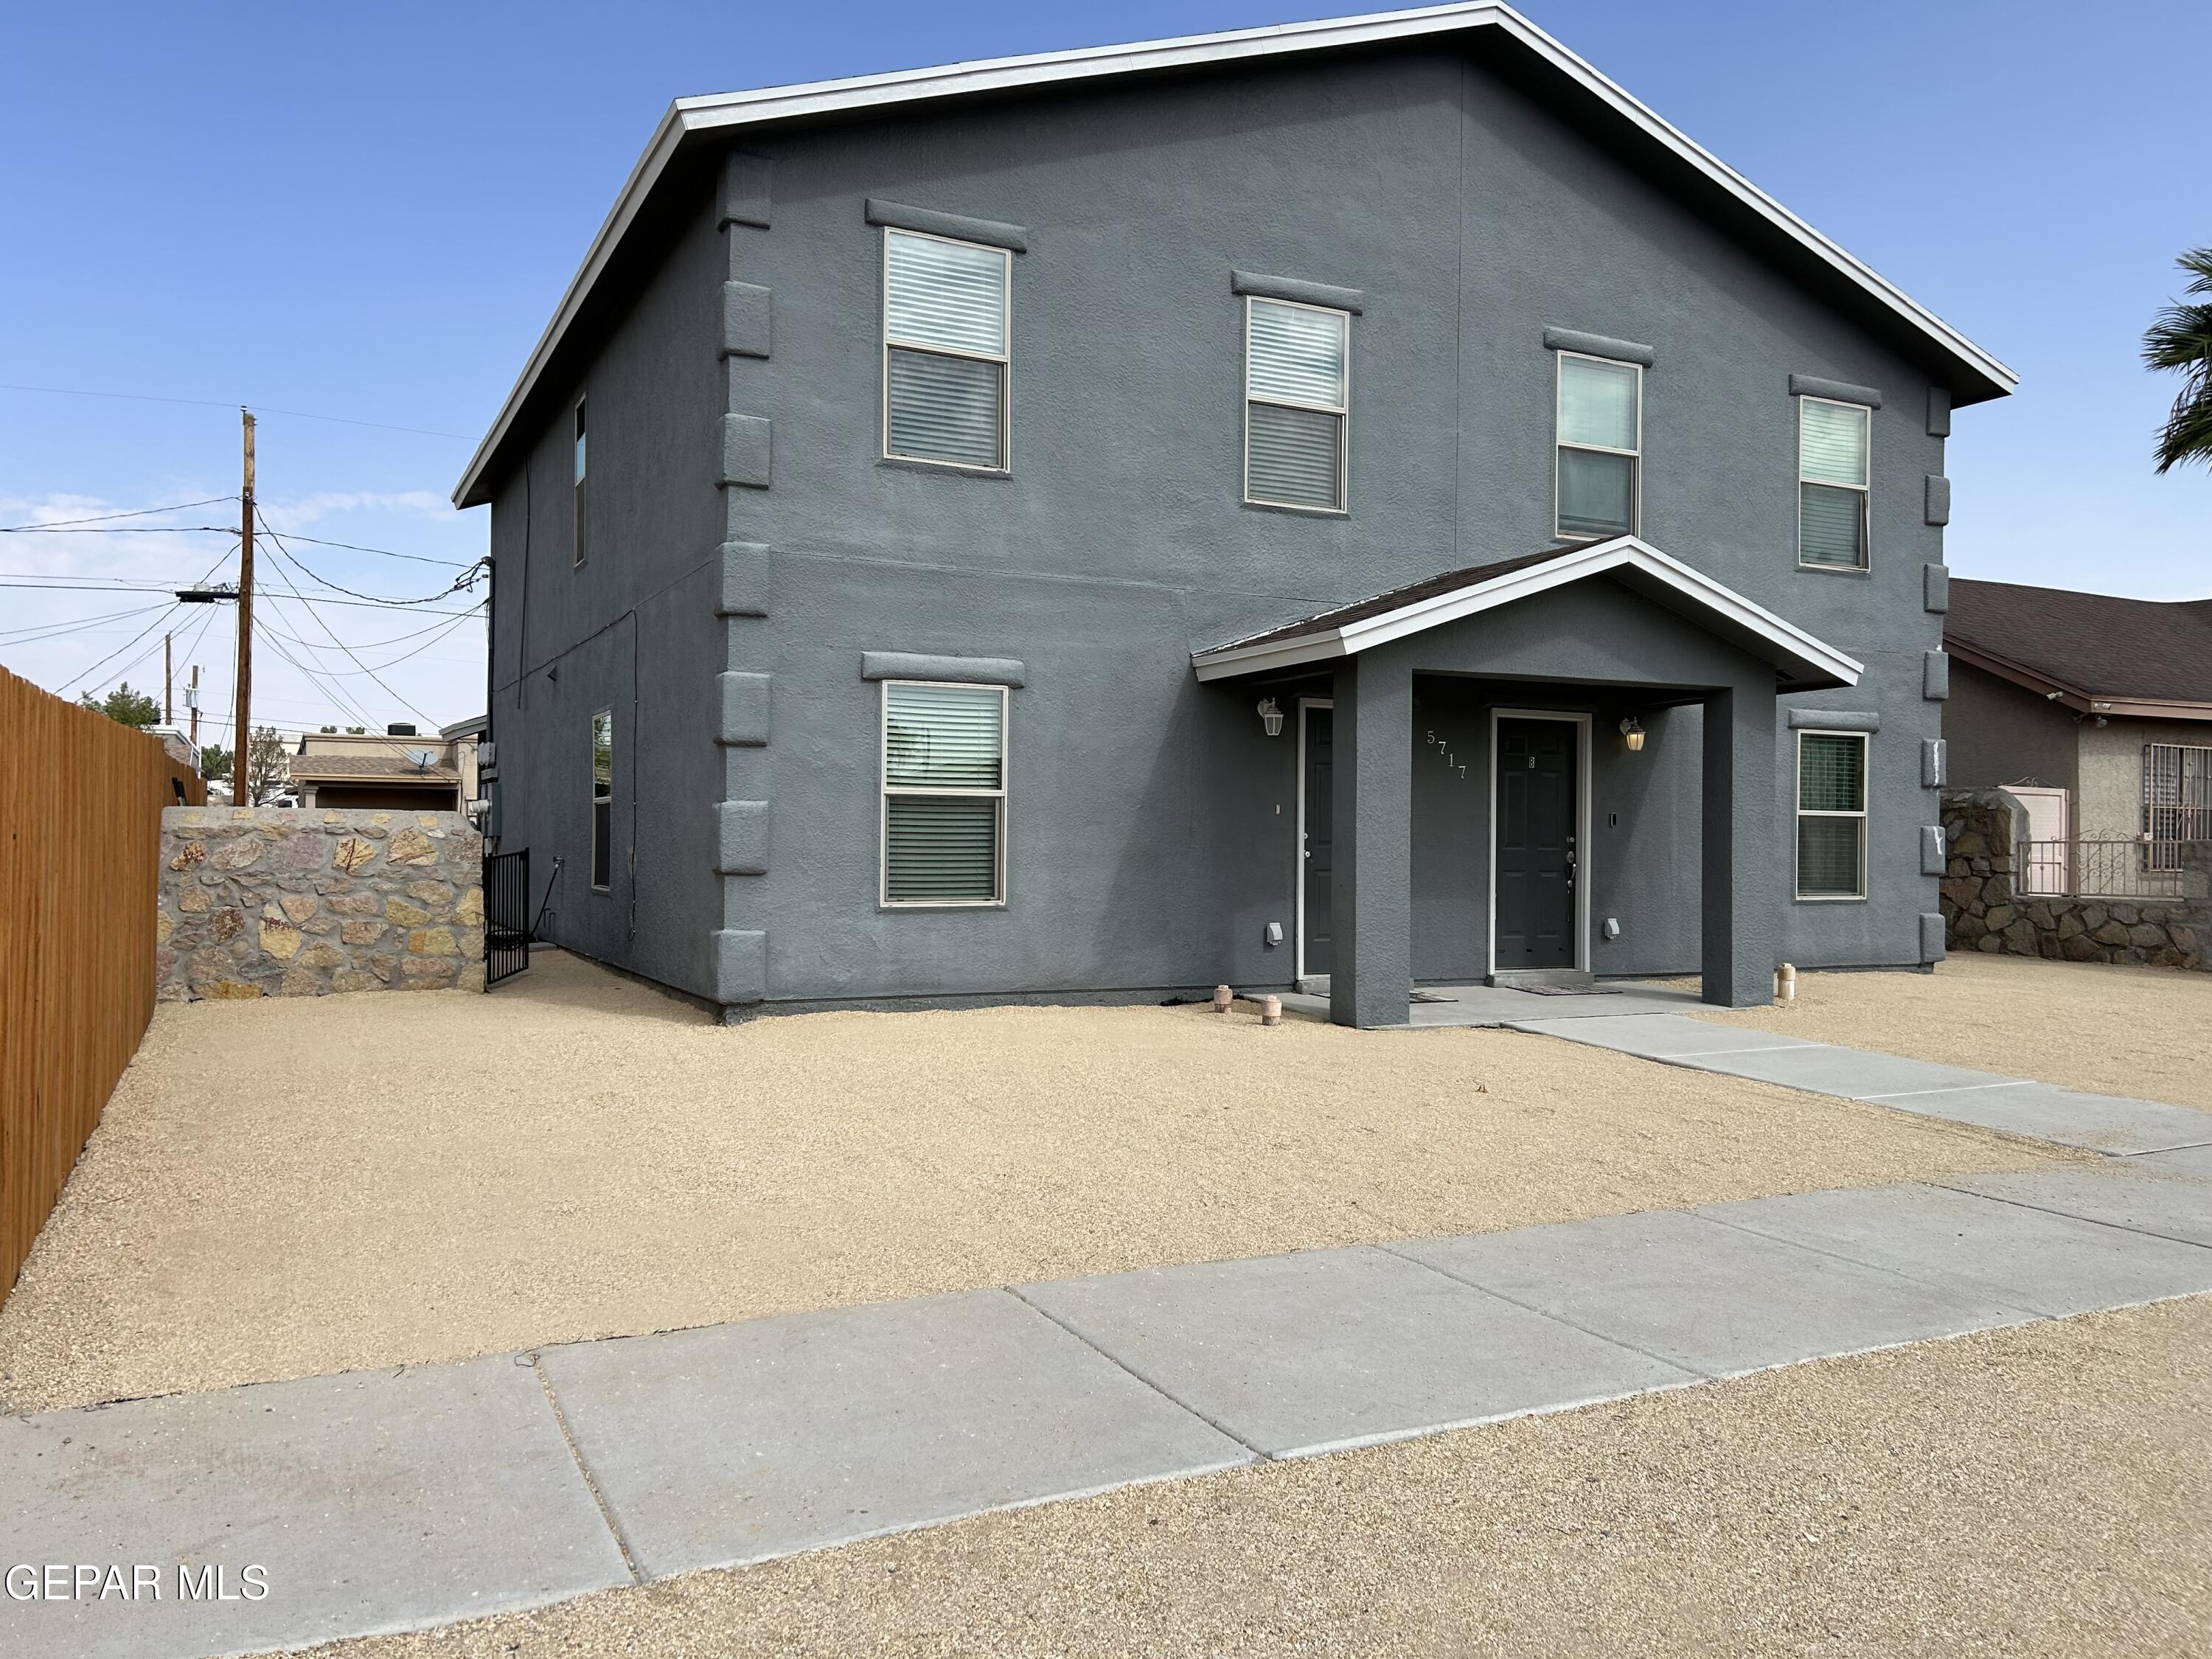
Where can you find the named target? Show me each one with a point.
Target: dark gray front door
(1316, 943)
(1535, 849)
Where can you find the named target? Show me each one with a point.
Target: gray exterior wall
(2000, 733)
(1151, 825)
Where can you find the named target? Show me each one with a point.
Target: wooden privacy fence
(81, 801)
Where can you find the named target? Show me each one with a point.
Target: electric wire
(326, 628)
(40, 631)
(258, 408)
(102, 518)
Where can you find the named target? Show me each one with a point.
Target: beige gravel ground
(2042, 1490)
(431, 1176)
(2109, 1030)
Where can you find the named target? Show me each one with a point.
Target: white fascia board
(729, 112)
(1622, 552)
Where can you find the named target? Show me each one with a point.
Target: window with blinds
(1831, 815)
(1297, 399)
(944, 793)
(1832, 443)
(1599, 424)
(603, 800)
(945, 363)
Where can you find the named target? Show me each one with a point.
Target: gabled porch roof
(1802, 662)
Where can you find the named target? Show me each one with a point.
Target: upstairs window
(1831, 815)
(1832, 441)
(1601, 445)
(581, 519)
(945, 366)
(603, 800)
(944, 793)
(1297, 399)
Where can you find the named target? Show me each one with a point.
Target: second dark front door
(1535, 854)
(1316, 944)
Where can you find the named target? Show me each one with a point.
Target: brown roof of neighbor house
(385, 768)
(2094, 649)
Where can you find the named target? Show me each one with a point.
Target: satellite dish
(423, 758)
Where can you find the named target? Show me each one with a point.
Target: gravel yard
(2144, 1032)
(292, 1187)
(2040, 1490)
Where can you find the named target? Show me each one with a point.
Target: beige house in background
(397, 769)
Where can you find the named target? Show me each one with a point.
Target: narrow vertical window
(582, 519)
(1298, 399)
(944, 793)
(945, 363)
(1600, 426)
(1832, 815)
(1832, 483)
(603, 800)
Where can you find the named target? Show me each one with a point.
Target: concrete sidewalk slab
(2191, 1163)
(1329, 1349)
(2098, 1123)
(1713, 1298)
(1854, 1074)
(374, 1502)
(2053, 1264)
(741, 1442)
(1661, 1036)
(2169, 1204)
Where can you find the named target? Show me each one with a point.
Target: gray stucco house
(1365, 500)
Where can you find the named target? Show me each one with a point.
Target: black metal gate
(506, 915)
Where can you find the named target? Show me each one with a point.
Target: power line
(131, 585)
(439, 629)
(102, 518)
(355, 547)
(84, 528)
(466, 580)
(259, 409)
(40, 631)
(326, 628)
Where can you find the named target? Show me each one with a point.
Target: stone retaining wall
(274, 902)
(1981, 911)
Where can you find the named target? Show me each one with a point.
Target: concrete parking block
(742, 1443)
(2169, 1203)
(2100, 1123)
(1854, 1074)
(1326, 1349)
(1661, 1036)
(370, 1502)
(2053, 1264)
(1713, 1298)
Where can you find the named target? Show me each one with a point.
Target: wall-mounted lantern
(1271, 718)
(1633, 730)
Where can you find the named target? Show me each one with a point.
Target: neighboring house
(1361, 499)
(400, 770)
(473, 756)
(2097, 712)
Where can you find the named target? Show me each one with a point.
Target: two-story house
(1363, 500)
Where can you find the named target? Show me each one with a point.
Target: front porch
(1553, 769)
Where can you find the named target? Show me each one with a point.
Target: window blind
(1831, 815)
(940, 846)
(1600, 437)
(1297, 373)
(1833, 473)
(945, 336)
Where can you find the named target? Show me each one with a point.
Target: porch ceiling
(1804, 662)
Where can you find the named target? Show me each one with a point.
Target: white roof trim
(1787, 642)
(726, 112)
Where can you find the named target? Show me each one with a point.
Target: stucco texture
(2095, 1026)
(576, 1155)
(2037, 1491)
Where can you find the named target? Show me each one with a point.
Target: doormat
(1570, 990)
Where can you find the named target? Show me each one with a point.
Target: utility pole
(168, 705)
(192, 703)
(241, 731)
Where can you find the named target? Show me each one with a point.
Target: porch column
(1742, 931)
(1371, 983)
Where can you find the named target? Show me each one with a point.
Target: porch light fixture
(1271, 717)
(1633, 730)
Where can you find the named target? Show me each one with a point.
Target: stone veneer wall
(276, 901)
(1981, 911)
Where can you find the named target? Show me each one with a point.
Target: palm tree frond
(2179, 341)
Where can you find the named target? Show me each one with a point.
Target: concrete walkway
(2103, 1123)
(382, 1501)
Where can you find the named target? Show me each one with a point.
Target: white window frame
(885, 789)
(592, 869)
(1866, 490)
(1635, 455)
(1342, 411)
(1004, 359)
(1864, 815)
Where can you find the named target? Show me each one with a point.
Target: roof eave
(1980, 376)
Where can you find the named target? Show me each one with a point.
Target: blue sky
(368, 212)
